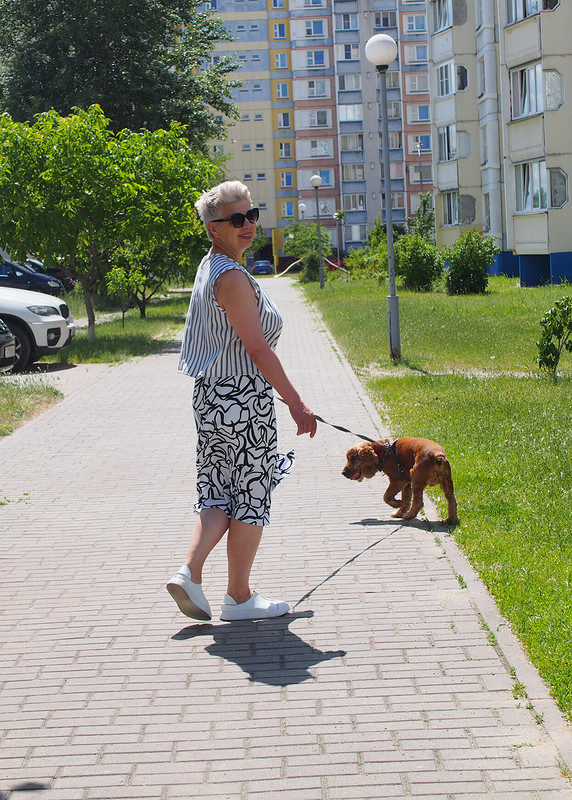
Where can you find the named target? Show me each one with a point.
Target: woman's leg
(211, 525)
(242, 544)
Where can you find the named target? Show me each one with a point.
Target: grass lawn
(468, 379)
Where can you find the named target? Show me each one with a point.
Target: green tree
(418, 261)
(556, 337)
(423, 223)
(301, 241)
(121, 55)
(468, 259)
(74, 192)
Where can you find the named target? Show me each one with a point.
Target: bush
(418, 261)
(311, 270)
(468, 260)
(556, 327)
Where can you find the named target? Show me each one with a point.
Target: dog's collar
(391, 448)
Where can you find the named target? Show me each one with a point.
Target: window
(245, 148)
(398, 199)
(394, 140)
(288, 209)
(558, 187)
(218, 148)
(415, 23)
(416, 82)
(349, 22)
(353, 172)
(285, 149)
(462, 78)
(258, 117)
(392, 79)
(312, 3)
(531, 186)
(286, 180)
(386, 19)
(451, 215)
(349, 83)
(325, 175)
(481, 77)
(425, 141)
(282, 91)
(278, 3)
(527, 95)
(240, 28)
(319, 148)
(247, 176)
(245, 118)
(352, 141)
(256, 87)
(316, 88)
(314, 27)
(281, 60)
(416, 53)
(261, 176)
(259, 146)
(350, 52)
(444, 79)
(279, 30)
(255, 57)
(393, 109)
(284, 119)
(355, 233)
(421, 173)
(354, 202)
(418, 113)
(447, 142)
(442, 15)
(521, 9)
(350, 112)
(254, 27)
(315, 58)
(318, 119)
(242, 57)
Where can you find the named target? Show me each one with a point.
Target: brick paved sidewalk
(381, 683)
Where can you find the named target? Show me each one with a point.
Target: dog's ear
(368, 460)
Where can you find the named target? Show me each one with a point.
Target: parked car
(7, 347)
(263, 267)
(55, 272)
(40, 323)
(21, 276)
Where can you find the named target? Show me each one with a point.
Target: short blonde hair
(209, 204)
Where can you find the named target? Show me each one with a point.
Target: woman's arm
(235, 294)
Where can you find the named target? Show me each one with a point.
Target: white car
(41, 323)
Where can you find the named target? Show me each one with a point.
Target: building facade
(503, 155)
(309, 104)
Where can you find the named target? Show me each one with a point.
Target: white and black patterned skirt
(237, 463)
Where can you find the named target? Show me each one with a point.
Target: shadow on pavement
(267, 651)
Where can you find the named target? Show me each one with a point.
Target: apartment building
(309, 104)
(503, 154)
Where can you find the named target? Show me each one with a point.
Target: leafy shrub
(418, 261)
(468, 260)
(556, 337)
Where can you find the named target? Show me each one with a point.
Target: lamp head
(316, 181)
(301, 207)
(381, 50)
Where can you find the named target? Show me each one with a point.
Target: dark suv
(19, 276)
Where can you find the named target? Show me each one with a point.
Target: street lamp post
(381, 51)
(420, 170)
(301, 209)
(316, 182)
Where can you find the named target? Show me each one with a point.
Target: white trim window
(288, 209)
(353, 172)
(451, 208)
(416, 54)
(521, 9)
(398, 200)
(445, 83)
(393, 109)
(316, 88)
(351, 112)
(350, 82)
(527, 91)
(531, 180)
(447, 142)
(285, 149)
(282, 91)
(354, 233)
(351, 141)
(385, 19)
(316, 59)
(284, 119)
(348, 22)
(349, 52)
(354, 202)
(280, 60)
(286, 180)
(314, 27)
(319, 148)
(319, 119)
(442, 15)
(415, 23)
(418, 113)
(416, 82)
(279, 30)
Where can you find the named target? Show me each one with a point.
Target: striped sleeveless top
(211, 348)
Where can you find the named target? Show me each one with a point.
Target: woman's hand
(304, 418)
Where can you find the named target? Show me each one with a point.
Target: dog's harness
(391, 448)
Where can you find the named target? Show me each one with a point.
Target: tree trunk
(90, 313)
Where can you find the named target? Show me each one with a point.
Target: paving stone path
(383, 682)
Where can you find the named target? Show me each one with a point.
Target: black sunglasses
(238, 219)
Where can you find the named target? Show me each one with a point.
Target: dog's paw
(397, 513)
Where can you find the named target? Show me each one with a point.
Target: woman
(231, 329)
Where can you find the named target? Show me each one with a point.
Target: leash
(338, 427)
